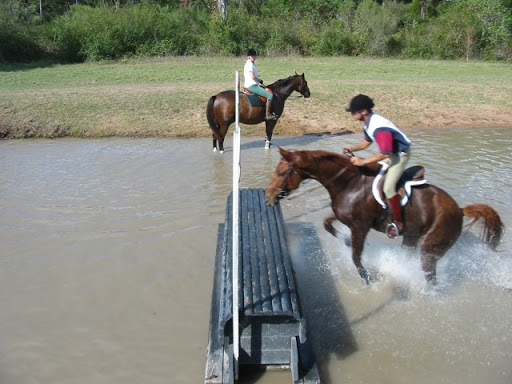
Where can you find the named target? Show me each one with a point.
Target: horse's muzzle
(272, 199)
(282, 194)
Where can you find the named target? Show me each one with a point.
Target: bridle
(300, 88)
(283, 190)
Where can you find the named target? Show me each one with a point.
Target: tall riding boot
(396, 227)
(269, 114)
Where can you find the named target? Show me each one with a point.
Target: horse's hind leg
(430, 253)
(214, 143)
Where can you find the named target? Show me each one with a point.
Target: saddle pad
(254, 100)
(407, 186)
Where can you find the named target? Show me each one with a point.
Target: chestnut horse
(220, 110)
(432, 217)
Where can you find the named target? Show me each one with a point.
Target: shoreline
(254, 132)
(167, 97)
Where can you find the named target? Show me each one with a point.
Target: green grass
(167, 97)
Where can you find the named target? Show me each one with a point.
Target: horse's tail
(493, 227)
(214, 126)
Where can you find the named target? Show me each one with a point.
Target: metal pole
(236, 194)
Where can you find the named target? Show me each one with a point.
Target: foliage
(81, 30)
(465, 28)
(17, 43)
(106, 33)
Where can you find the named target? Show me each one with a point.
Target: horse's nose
(282, 194)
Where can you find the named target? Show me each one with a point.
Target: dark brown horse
(433, 220)
(220, 110)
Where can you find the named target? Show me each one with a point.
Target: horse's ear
(287, 155)
(290, 156)
(296, 74)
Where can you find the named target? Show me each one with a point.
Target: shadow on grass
(25, 67)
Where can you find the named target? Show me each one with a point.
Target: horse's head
(302, 86)
(285, 177)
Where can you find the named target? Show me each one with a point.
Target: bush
(106, 33)
(18, 44)
(464, 29)
(452, 29)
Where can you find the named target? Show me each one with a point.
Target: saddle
(411, 177)
(256, 100)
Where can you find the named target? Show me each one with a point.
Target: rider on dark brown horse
(252, 83)
(394, 147)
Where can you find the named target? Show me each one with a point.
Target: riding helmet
(360, 102)
(251, 52)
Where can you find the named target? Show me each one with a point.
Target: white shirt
(248, 68)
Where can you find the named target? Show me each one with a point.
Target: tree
(423, 12)
(223, 9)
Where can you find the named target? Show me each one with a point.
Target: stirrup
(392, 231)
(272, 116)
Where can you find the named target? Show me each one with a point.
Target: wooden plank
(287, 265)
(249, 272)
(269, 254)
(270, 315)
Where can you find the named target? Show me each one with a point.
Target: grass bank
(167, 97)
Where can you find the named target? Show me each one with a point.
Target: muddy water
(107, 250)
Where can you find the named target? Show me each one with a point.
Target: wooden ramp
(272, 328)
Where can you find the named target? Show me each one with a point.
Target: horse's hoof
(221, 151)
(365, 276)
(267, 144)
(214, 150)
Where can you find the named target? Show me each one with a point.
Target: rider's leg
(268, 95)
(396, 213)
(398, 164)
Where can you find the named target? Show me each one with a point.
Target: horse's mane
(340, 160)
(321, 156)
(281, 82)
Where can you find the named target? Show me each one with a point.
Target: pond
(108, 249)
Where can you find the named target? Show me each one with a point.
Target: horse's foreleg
(410, 241)
(329, 227)
(269, 129)
(358, 237)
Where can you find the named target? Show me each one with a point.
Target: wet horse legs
(358, 237)
(269, 129)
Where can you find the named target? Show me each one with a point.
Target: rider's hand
(357, 161)
(347, 150)
(261, 81)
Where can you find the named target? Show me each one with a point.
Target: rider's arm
(375, 158)
(363, 144)
(384, 140)
(254, 77)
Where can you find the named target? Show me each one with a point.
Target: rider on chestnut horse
(394, 147)
(252, 83)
